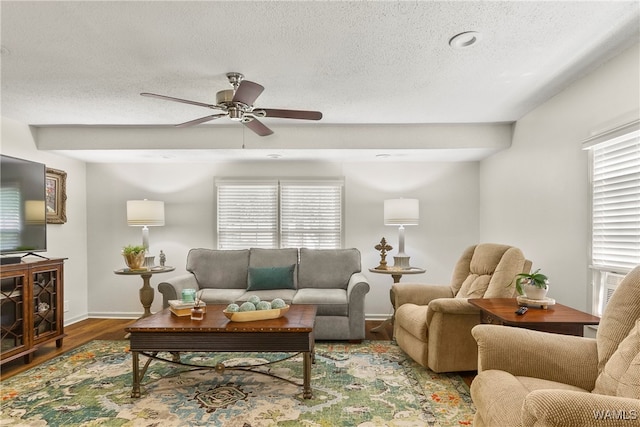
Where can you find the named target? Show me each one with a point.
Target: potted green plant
(134, 256)
(532, 285)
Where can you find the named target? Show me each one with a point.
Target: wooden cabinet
(31, 307)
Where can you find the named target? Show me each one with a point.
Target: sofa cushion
(621, 375)
(269, 295)
(220, 296)
(264, 278)
(224, 269)
(327, 268)
(260, 257)
(329, 302)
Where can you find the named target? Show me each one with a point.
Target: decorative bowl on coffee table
(248, 316)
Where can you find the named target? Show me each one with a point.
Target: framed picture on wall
(56, 196)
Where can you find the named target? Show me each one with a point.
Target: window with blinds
(615, 209)
(280, 214)
(616, 204)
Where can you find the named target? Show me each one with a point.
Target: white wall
(63, 240)
(536, 194)
(448, 194)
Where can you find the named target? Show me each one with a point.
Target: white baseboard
(377, 317)
(114, 315)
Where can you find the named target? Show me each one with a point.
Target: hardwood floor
(113, 329)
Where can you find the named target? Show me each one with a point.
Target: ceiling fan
(237, 103)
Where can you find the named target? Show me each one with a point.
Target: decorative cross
(383, 247)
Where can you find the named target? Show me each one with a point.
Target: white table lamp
(145, 213)
(401, 212)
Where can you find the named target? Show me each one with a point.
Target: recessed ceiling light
(464, 40)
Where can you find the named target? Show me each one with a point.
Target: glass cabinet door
(45, 302)
(12, 334)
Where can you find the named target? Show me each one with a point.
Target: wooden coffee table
(165, 332)
(556, 318)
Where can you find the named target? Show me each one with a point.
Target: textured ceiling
(357, 62)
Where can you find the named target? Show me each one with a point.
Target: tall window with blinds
(615, 213)
(280, 214)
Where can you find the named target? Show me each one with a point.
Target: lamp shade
(145, 212)
(401, 212)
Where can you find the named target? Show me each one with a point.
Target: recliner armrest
(418, 293)
(453, 306)
(565, 407)
(522, 352)
(172, 289)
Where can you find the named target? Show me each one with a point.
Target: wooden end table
(146, 291)
(557, 318)
(166, 332)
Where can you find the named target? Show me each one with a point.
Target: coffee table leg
(135, 391)
(306, 384)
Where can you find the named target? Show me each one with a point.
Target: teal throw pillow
(261, 279)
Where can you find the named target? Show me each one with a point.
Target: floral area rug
(368, 384)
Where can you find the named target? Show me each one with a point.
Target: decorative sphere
(233, 308)
(247, 306)
(278, 303)
(263, 305)
(254, 299)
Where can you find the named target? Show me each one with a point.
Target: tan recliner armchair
(432, 323)
(531, 378)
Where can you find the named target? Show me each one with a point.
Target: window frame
(604, 277)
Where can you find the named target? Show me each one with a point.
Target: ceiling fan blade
(184, 101)
(247, 92)
(258, 127)
(200, 120)
(292, 114)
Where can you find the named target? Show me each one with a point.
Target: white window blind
(247, 214)
(616, 203)
(311, 214)
(280, 214)
(10, 222)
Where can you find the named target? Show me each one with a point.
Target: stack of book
(182, 308)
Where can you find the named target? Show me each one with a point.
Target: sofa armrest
(358, 286)
(418, 293)
(172, 288)
(523, 352)
(357, 289)
(565, 407)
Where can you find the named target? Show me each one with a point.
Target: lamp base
(401, 262)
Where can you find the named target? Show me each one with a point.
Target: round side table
(396, 275)
(146, 291)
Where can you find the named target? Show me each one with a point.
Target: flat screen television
(23, 215)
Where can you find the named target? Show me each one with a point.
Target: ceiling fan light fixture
(224, 96)
(465, 39)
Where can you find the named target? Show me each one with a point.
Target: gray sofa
(331, 279)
